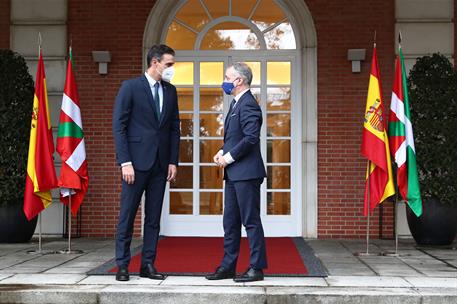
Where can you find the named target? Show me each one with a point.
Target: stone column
(48, 17)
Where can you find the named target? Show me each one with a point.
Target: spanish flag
(375, 145)
(41, 175)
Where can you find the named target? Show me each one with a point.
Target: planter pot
(437, 226)
(14, 226)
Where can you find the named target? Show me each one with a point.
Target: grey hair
(244, 71)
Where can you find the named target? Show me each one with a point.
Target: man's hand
(172, 172)
(217, 157)
(222, 163)
(128, 174)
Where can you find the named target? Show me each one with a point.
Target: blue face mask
(228, 87)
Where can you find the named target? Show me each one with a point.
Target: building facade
(312, 100)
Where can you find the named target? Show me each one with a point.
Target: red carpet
(197, 255)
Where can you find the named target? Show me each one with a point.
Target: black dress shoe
(250, 275)
(122, 273)
(220, 274)
(148, 271)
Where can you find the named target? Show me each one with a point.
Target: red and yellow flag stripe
(41, 176)
(375, 145)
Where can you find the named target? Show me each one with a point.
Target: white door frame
(306, 41)
(211, 225)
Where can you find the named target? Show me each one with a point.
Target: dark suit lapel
(166, 100)
(232, 110)
(227, 118)
(147, 89)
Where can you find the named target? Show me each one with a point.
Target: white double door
(193, 206)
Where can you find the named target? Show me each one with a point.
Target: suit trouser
(152, 182)
(242, 206)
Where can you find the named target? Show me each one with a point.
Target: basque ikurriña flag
(401, 139)
(375, 145)
(74, 179)
(41, 174)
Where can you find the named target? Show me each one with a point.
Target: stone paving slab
(182, 294)
(41, 279)
(42, 294)
(22, 270)
(333, 295)
(433, 282)
(367, 281)
(59, 270)
(197, 281)
(290, 282)
(111, 280)
(4, 276)
(101, 294)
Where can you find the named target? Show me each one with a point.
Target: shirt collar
(238, 96)
(151, 80)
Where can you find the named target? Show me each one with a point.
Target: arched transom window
(230, 25)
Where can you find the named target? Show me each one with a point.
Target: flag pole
(396, 202)
(40, 249)
(39, 234)
(69, 223)
(69, 250)
(367, 252)
(395, 253)
(369, 207)
(39, 215)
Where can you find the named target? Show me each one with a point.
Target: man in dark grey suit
(146, 133)
(244, 172)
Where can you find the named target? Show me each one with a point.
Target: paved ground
(415, 276)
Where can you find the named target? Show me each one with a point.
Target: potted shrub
(433, 93)
(16, 98)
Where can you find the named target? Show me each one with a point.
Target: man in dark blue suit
(244, 172)
(146, 133)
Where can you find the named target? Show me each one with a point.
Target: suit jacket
(242, 140)
(139, 136)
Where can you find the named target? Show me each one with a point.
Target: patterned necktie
(157, 99)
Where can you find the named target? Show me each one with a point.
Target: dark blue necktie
(232, 104)
(157, 99)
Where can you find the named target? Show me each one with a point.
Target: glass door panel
(196, 198)
(210, 138)
(278, 136)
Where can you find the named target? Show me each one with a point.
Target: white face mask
(168, 74)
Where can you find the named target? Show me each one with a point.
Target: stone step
(117, 294)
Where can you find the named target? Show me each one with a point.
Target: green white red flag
(401, 139)
(74, 179)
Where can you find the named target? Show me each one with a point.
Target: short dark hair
(157, 51)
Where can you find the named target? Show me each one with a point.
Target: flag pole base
(73, 251)
(43, 252)
(365, 254)
(390, 254)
